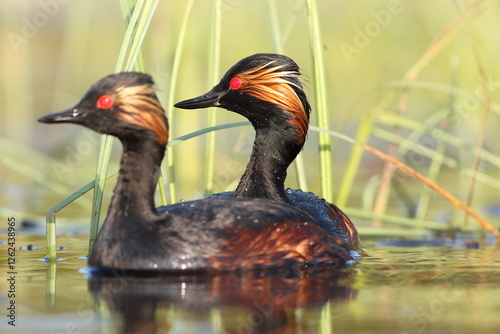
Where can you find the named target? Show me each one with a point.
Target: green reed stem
(173, 84)
(321, 104)
(100, 181)
(134, 57)
(325, 320)
(140, 66)
(206, 130)
(50, 287)
(216, 320)
(274, 26)
(213, 77)
(130, 34)
(278, 42)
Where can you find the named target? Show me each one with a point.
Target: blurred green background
(52, 51)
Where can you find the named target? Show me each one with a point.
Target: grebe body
(265, 88)
(210, 234)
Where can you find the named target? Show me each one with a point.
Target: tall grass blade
(206, 130)
(140, 66)
(100, 181)
(213, 76)
(325, 320)
(324, 140)
(50, 287)
(171, 95)
(274, 26)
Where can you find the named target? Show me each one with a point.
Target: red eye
(105, 102)
(235, 83)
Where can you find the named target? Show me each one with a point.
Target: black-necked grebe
(265, 88)
(208, 234)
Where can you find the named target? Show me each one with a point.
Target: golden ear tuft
(268, 83)
(139, 106)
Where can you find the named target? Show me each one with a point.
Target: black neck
(134, 192)
(265, 173)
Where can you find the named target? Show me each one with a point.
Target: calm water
(393, 290)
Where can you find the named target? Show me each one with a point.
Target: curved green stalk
(50, 216)
(206, 130)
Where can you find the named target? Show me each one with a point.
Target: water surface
(419, 289)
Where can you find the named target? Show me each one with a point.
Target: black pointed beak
(210, 99)
(71, 115)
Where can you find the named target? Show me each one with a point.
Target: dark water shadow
(262, 300)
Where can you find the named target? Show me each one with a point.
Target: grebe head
(265, 88)
(122, 104)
